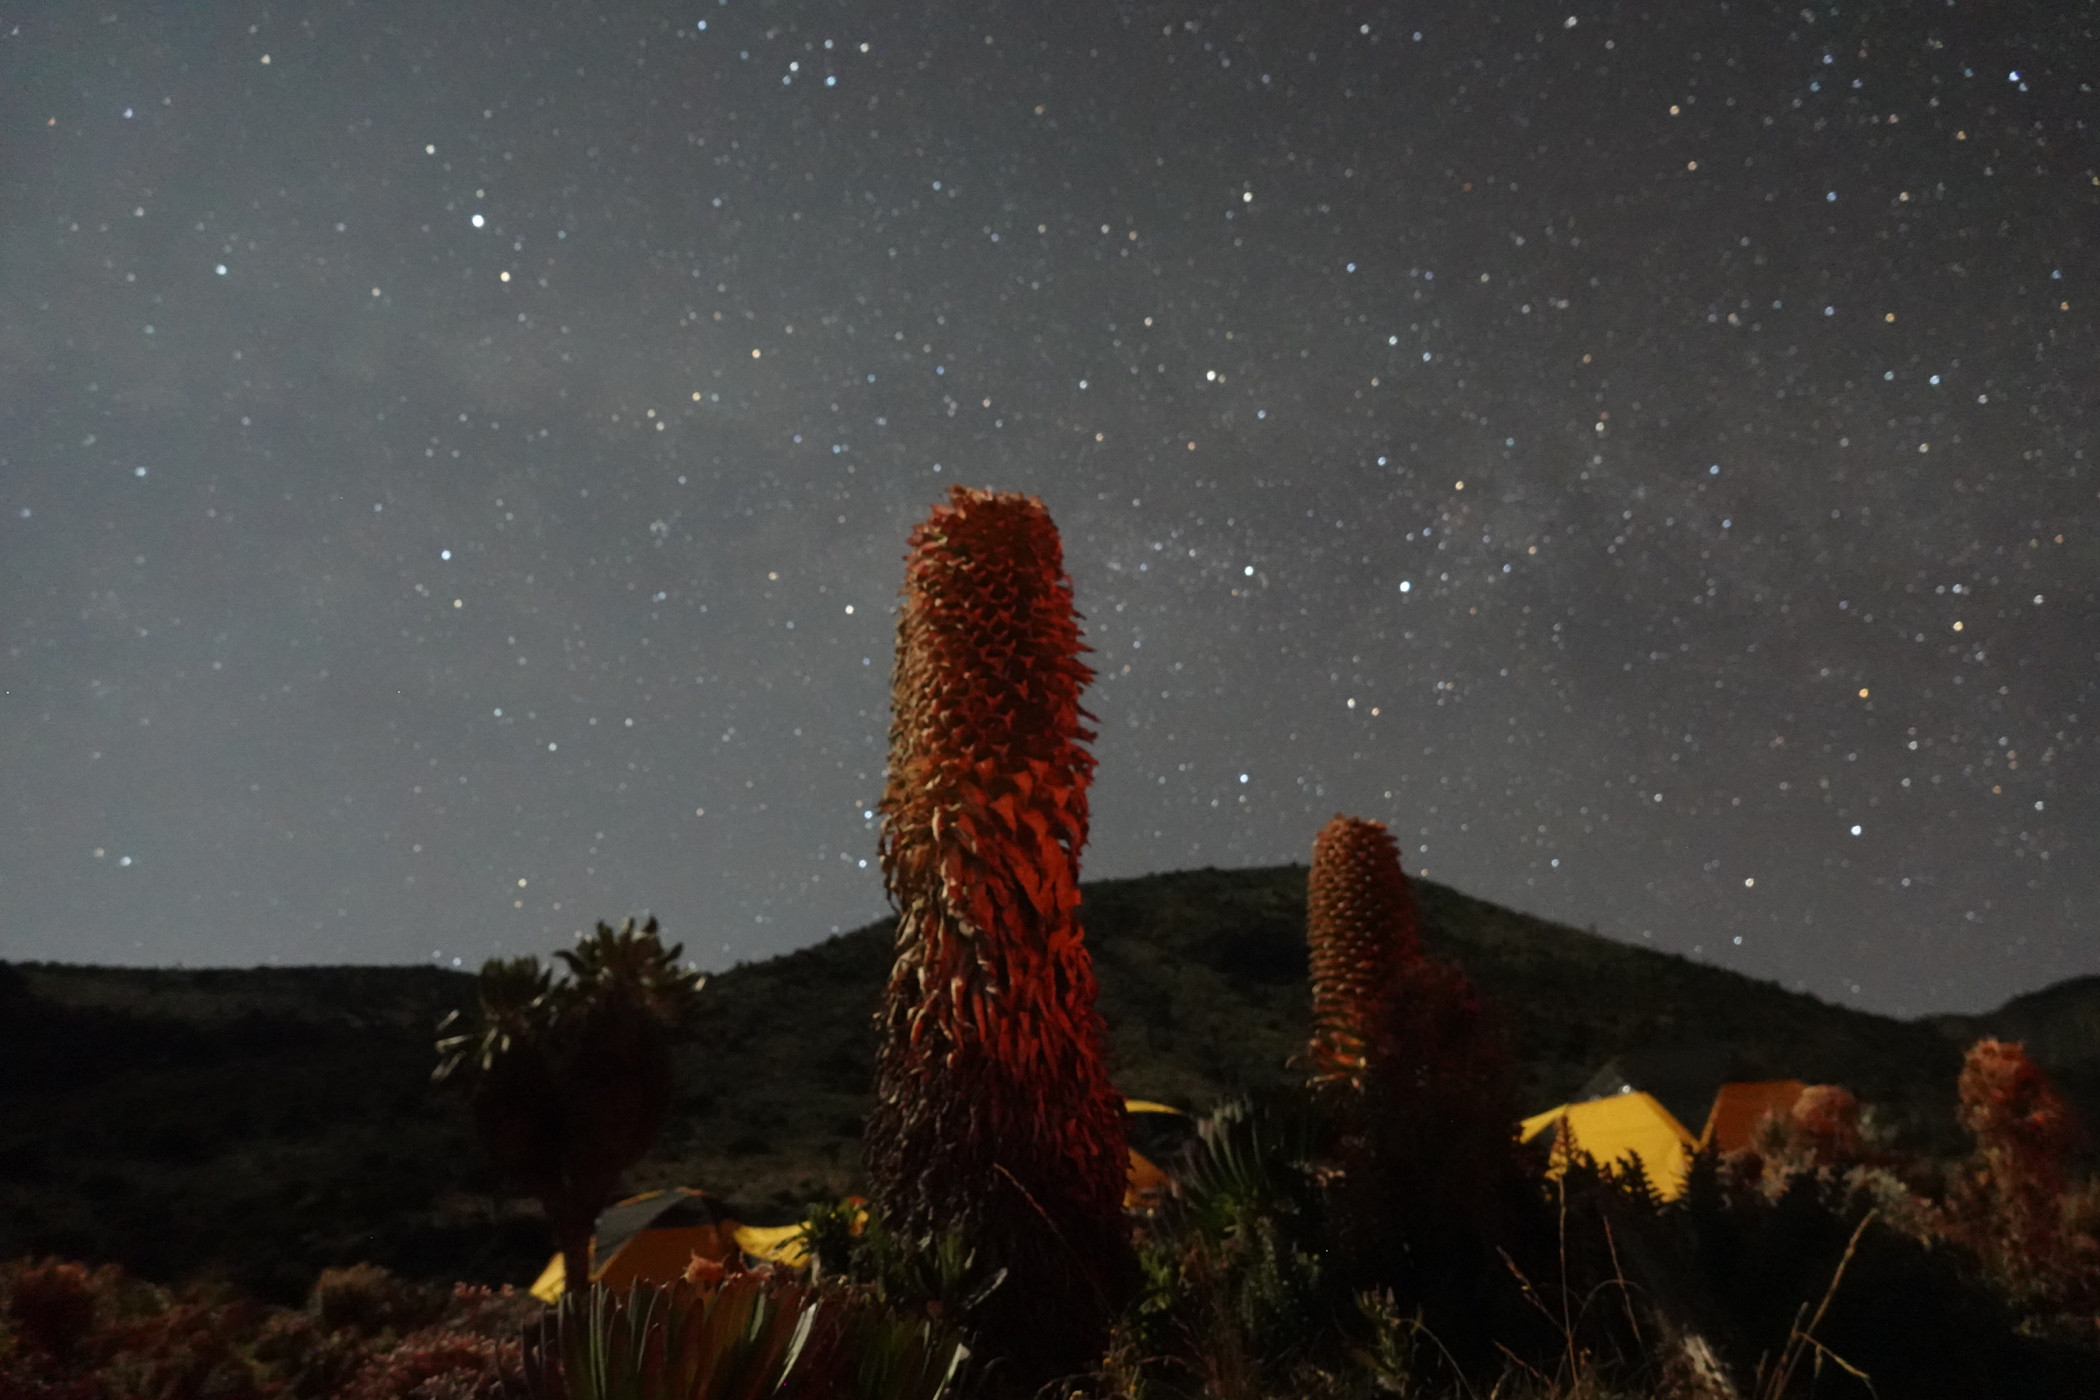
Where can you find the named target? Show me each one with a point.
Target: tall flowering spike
(994, 1111)
(1360, 922)
(1419, 1084)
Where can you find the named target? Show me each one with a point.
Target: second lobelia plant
(994, 1115)
(1360, 925)
(1418, 1088)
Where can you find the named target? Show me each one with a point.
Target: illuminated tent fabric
(777, 1244)
(1158, 1134)
(649, 1238)
(1618, 1129)
(1739, 1108)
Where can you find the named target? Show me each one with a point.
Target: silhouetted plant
(994, 1113)
(1234, 1273)
(572, 1079)
(1416, 1083)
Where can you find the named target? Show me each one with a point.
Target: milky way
(455, 461)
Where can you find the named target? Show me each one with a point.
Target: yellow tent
(1739, 1108)
(775, 1244)
(1618, 1129)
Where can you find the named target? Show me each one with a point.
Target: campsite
(262, 1124)
(259, 1127)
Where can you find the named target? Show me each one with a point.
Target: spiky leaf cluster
(629, 968)
(1360, 923)
(994, 1110)
(747, 1336)
(514, 1003)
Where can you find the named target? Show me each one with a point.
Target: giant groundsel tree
(571, 1080)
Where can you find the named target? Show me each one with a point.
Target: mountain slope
(1204, 989)
(261, 1124)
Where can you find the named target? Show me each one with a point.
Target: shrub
(195, 1346)
(368, 1300)
(304, 1358)
(143, 1342)
(52, 1306)
(1826, 1121)
(2013, 1203)
(438, 1363)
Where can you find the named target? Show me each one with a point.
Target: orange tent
(1739, 1108)
(649, 1238)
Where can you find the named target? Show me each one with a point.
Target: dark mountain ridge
(260, 1124)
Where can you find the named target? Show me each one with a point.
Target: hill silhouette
(259, 1125)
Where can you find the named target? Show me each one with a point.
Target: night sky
(455, 460)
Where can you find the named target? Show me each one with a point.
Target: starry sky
(455, 460)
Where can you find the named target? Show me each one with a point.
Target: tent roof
(679, 1207)
(1738, 1108)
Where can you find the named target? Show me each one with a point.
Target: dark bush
(52, 1305)
(367, 1300)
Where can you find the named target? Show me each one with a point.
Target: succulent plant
(994, 1113)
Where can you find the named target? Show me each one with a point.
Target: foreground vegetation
(260, 1125)
(1821, 1261)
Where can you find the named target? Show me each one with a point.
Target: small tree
(994, 1115)
(571, 1079)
